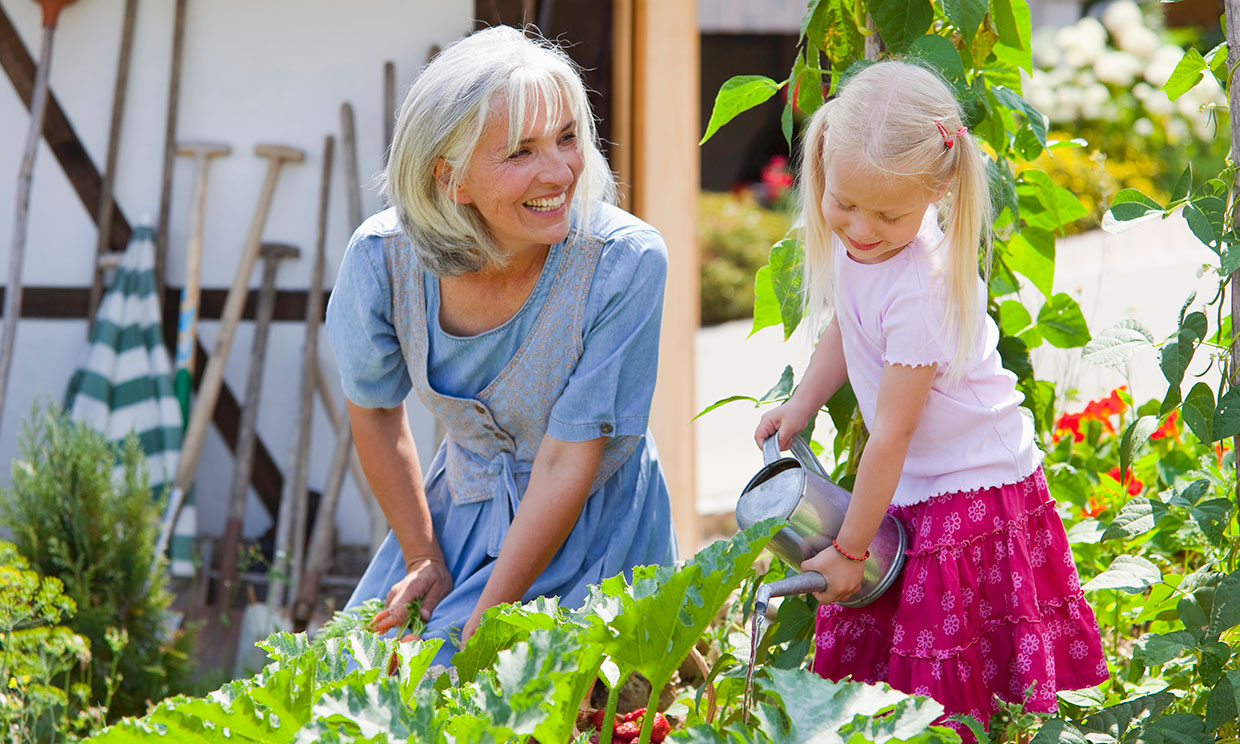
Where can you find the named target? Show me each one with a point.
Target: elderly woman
(523, 309)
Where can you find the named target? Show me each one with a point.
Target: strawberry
(635, 715)
(627, 730)
(661, 728)
(596, 718)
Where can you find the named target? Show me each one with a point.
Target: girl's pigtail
(817, 279)
(967, 232)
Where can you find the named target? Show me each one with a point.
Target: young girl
(990, 602)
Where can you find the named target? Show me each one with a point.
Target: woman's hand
(843, 576)
(787, 420)
(428, 579)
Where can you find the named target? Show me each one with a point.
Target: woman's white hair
(443, 117)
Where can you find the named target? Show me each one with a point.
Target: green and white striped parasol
(124, 383)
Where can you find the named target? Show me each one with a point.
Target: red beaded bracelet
(852, 558)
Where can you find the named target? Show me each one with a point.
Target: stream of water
(759, 619)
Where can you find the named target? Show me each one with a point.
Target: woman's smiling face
(875, 215)
(524, 194)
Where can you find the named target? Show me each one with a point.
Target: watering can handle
(800, 450)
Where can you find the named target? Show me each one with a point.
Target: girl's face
(874, 214)
(524, 195)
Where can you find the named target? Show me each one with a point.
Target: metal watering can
(798, 490)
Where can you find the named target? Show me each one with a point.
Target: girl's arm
(389, 458)
(902, 395)
(825, 374)
(559, 484)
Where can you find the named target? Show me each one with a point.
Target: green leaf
(1214, 658)
(1212, 517)
(1061, 323)
(1014, 354)
(1226, 611)
(1176, 354)
(1127, 573)
(1156, 649)
(1002, 185)
(940, 53)
(818, 709)
(1058, 205)
(1137, 517)
(1223, 705)
(502, 627)
(807, 85)
(966, 16)
(664, 612)
(724, 402)
(1135, 436)
(785, 261)
(1031, 252)
(1188, 72)
(535, 687)
(1086, 532)
(900, 22)
(1015, 317)
(1034, 119)
(1115, 346)
(766, 311)
(1227, 414)
(1115, 720)
(781, 389)
(739, 94)
(1058, 731)
(375, 709)
(1198, 412)
(1004, 16)
(1183, 187)
(1177, 728)
(1129, 208)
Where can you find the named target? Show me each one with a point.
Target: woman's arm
(389, 458)
(825, 374)
(559, 484)
(902, 395)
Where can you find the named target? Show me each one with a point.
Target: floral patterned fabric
(989, 604)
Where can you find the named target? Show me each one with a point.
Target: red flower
(776, 178)
(1168, 428)
(1069, 423)
(1134, 486)
(1095, 507)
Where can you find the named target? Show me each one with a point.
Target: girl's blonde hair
(443, 116)
(887, 117)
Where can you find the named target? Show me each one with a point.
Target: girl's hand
(843, 576)
(428, 579)
(787, 420)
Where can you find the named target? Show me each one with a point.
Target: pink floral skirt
(989, 603)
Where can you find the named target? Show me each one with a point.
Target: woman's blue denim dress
(577, 362)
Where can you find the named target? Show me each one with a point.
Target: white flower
(1094, 100)
(1118, 68)
(1122, 15)
(1137, 40)
(1046, 53)
(1177, 131)
(1143, 91)
(1158, 104)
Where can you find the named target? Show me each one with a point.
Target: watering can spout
(805, 583)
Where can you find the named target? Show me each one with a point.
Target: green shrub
(736, 234)
(81, 510)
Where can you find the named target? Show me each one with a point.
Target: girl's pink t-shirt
(972, 434)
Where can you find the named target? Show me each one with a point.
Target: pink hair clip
(949, 140)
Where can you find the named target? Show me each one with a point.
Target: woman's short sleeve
(914, 326)
(609, 392)
(360, 330)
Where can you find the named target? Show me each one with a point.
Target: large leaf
(1058, 731)
(966, 16)
(785, 261)
(1137, 517)
(665, 611)
(1004, 15)
(1035, 120)
(766, 310)
(1135, 436)
(375, 709)
(503, 627)
(1227, 414)
(1117, 719)
(819, 709)
(1059, 206)
(1198, 412)
(1130, 208)
(1156, 649)
(1213, 517)
(1115, 346)
(1031, 252)
(1061, 322)
(1127, 573)
(901, 22)
(940, 53)
(739, 94)
(1187, 73)
(1223, 705)
(1177, 728)
(1226, 612)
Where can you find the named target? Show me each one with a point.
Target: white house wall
(254, 71)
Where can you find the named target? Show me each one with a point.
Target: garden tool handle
(800, 450)
(51, 11)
